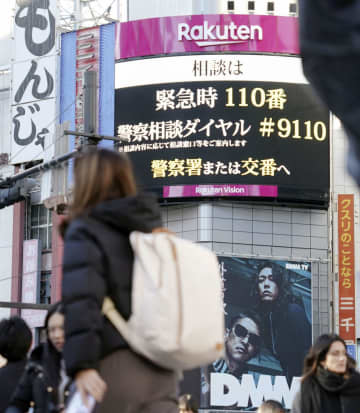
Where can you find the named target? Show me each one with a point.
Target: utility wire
(24, 306)
(38, 168)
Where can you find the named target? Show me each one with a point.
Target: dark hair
(187, 402)
(55, 308)
(317, 354)
(15, 338)
(99, 175)
(53, 357)
(279, 276)
(248, 313)
(272, 406)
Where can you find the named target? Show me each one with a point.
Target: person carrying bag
(98, 263)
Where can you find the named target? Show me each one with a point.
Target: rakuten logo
(205, 35)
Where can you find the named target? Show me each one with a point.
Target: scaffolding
(79, 14)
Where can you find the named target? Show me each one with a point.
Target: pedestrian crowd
(83, 352)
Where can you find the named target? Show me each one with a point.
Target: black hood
(42, 351)
(38, 353)
(135, 213)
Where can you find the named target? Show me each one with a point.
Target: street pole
(90, 106)
(77, 13)
(24, 306)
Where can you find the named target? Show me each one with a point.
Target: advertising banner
(87, 58)
(207, 33)
(30, 282)
(346, 242)
(184, 191)
(33, 109)
(231, 129)
(81, 51)
(267, 305)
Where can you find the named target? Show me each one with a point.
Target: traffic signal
(16, 193)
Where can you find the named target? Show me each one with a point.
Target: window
(251, 6)
(292, 8)
(270, 7)
(41, 225)
(230, 5)
(45, 287)
(40, 335)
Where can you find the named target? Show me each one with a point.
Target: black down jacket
(330, 50)
(98, 261)
(9, 378)
(37, 387)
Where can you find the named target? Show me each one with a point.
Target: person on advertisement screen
(281, 317)
(252, 360)
(244, 353)
(242, 343)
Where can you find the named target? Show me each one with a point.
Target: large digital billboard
(225, 127)
(267, 304)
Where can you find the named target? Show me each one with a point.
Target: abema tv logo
(213, 35)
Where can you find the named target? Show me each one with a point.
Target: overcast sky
(6, 21)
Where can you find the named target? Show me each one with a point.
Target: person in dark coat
(242, 343)
(282, 318)
(330, 383)
(43, 385)
(329, 43)
(98, 262)
(15, 342)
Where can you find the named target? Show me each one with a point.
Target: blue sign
(351, 349)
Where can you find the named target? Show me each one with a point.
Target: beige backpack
(177, 314)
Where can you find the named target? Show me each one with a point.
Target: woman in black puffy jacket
(98, 262)
(43, 385)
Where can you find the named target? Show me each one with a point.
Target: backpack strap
(110, 311)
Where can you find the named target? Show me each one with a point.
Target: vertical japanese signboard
(90, 49)
(346, 268)
(87, 58)
(34, 82)
(30, 282)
